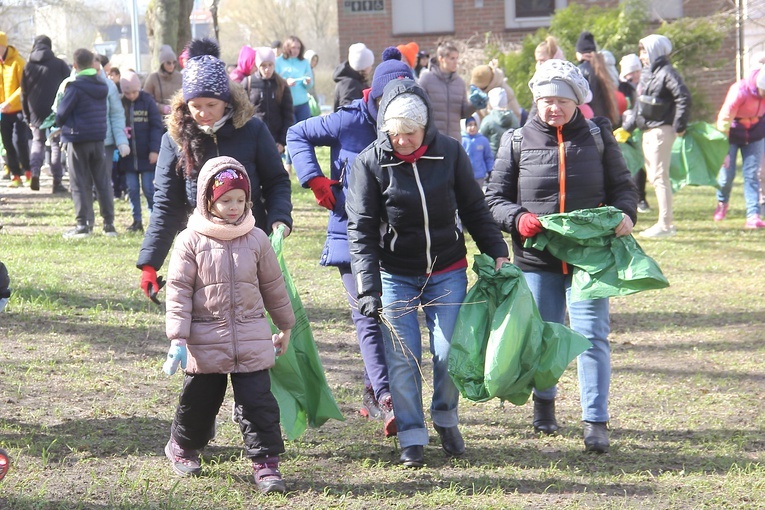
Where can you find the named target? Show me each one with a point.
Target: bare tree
(167, 22)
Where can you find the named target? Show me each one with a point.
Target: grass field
(85, 409)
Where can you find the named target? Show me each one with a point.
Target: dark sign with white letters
(364, 6)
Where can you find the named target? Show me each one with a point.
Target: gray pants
(86, 170)
(37, 154)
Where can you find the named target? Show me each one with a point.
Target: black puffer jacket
(407, 218)
(537, 185)
(271, 107)
(350, 85)
(39, 83)
(665, 83)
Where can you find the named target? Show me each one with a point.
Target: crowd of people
(416, 157)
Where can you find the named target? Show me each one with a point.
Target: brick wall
(473, 23)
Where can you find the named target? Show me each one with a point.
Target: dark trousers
(86, 170)
(370, 339)
(639, 180)
(15, 135)
(256, 409)
(37, 154)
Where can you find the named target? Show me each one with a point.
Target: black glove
(371, 306)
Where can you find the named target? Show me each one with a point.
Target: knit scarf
(217, 228)
(411, 158)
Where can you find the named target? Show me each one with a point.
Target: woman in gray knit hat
(561, 168)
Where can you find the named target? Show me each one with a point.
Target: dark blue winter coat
(346, 132)
(145, 122)
(243, 137)
(82, 111)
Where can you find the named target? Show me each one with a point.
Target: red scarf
(411, 158)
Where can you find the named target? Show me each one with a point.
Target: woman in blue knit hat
(347, 132)
(210, 118)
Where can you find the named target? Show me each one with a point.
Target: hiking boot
(451, 440)
(720, 211)
(369, 406)
(185, 462)
(59, 188)
(34, 184)
(643, 207)
(388, 417)
(268, 478)
(596, 437)
(77, 232)
(754, 221)
(15, 182)
(658, 231)
(413, 456)
(544, 416)
(109, 230)
(137, 226)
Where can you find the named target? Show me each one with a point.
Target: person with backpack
(562, 162)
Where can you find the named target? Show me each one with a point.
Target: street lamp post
(136, 37)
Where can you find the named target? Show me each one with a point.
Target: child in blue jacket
(144, 125)
(477, 147)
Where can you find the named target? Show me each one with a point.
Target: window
(531, 13)
(666, 9)
(422, 16)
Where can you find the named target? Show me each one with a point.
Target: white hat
(498, 98)
(629, 64)
(407, 106)
(559, 78)
(360, 57)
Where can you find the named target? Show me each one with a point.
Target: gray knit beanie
(559, 78)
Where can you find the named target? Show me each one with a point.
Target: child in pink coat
(223, 277)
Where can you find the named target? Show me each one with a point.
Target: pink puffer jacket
(743, 105)
(218, 290)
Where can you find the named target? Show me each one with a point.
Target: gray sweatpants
(86, 170)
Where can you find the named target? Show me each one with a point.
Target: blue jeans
(135, 182)
(751, 154)
(440, 296)
(552, 292)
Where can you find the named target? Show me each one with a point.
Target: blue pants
(440, 296)
(136, 181)
(552, 292)
(751, 154)
(370, 338)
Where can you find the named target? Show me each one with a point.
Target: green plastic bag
(697, 156)
(297, 378)
(314, 105)
(501, 347)
(604, 265)
(633, 154)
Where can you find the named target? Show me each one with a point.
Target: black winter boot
(544, 416)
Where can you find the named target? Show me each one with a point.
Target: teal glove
(478, 97)
(175, 356)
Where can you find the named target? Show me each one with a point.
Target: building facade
(382, 23)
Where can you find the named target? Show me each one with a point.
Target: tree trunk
(166, 27)
(184, 29)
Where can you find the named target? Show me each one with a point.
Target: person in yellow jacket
(11, 117)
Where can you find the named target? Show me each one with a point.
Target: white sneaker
(658, 231)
